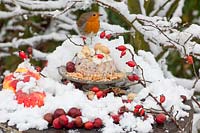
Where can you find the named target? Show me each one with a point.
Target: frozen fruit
(123, 53)
(22, 55)
(63, 120)
(56, 123)
(58, 112)
(48, 117)
(99, 94)
(116, 118)
(102, 34)
(98, 123)
(160, 118)
(108, 36)
(131, 63)
(162, 98)
(70, 66)
(189, 59)
(184, 98)
(136, 111)
(88, 125)
(100, 56)
(121, 48)
(142, 112)
(70, 125)
(133, 77)
(95, 89)
(78, 122)
(74, 112)
(138, 106)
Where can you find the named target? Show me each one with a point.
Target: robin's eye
(94, 14)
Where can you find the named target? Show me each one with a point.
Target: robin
(88, 23)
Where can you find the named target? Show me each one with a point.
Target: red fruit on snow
(131, 63)
(108, 36)
(38, 69)
(63, 120)
(102, 34)
(56, 123)
(48, 117)
(88, 125)
(116, 118)
(138, 106)
(98, 123)
(121, 48)
(184, 98)
(133, 77)
(58, 112)
(142, 112)
(78, 122)
(100, 56)
(99, 94)
(22, 55)
(162, 98)
(123, 53)
(70, 125)
(95, 89)
(70, 66)
(189, 59)
(136, 111)
(74, 112)
(160, 118)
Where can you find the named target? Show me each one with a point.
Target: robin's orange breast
(92, 27)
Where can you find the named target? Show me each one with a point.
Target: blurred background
(31, 27)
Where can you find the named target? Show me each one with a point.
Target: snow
(66, 96)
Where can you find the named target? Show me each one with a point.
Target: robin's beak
(100, 14)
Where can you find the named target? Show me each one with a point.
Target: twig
(171, 116)
(196, 75)
(73, 41)
(155, 14)
(194, 99)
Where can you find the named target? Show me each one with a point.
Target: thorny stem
(138, 66)
(170, 115)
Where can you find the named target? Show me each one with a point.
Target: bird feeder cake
(95, 64)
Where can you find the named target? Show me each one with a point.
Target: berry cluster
(30, 100)
(95, 91)
(72, 119)
(104, 35)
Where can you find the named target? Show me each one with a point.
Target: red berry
(160, 118)
(189, 59)
(48, 117)
(70, 66)
(142, 112)
(116, 118)
(63, 120)
(89, 125)
(102, 34)
(131, 63)
(74, 112)
(138, 106)
(123, 53)
(99, 94)
(108, 36)
(58, 112)
(56, 123)
(98, 123)
(121, 48)
(162, 98)
(95, 89)
(100, 56)
(133, 77)
(30, 50)
(70, 125)
(136, 111)
(22, 55)
(78, 122)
